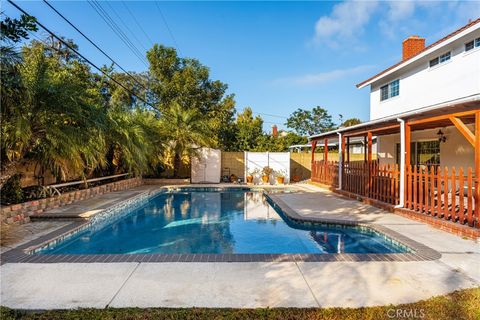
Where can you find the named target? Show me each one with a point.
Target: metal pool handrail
(53, 187)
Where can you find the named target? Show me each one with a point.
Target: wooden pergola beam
(463, 130)
(442, 117)
(373, 130)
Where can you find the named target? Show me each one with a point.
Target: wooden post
(342, 161)
(477, 168)
(348, 149)
(314, 145)
(325, 151)
(407, 158)
(365, 148)
(369, 164)
(369, 136)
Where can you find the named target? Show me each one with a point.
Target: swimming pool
(216, 221)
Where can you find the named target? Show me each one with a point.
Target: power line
(94, 44)
(136, 21)
(168, 28)
(125, 25)
(267, 114)
(116, 29)
(80, 55)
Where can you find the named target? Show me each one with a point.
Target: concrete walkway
(87, 208)
(256, 284)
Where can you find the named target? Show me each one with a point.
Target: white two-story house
(425, 115)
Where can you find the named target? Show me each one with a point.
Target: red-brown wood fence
(372, 180)
(325, 172)
(443, 193)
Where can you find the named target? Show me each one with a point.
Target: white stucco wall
(455, 152)
(422, 86)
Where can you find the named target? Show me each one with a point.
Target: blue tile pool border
(27, 253)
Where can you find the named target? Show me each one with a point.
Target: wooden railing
(372, 180)
(443, 193)
(325, 172)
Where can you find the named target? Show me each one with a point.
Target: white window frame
(389, 90)
(439, 59)
(475, 44)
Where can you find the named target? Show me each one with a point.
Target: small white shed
(206, 167)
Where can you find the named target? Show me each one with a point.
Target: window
(425, 153)
(469, 45)
(445, 57)
(441, 59)
(472, 44)
(390, 90)
(384, 93)
(395, 88)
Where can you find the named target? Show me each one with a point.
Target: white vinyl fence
(278, 161)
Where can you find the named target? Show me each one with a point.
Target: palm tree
(186, 130)
(134, 141)
(55, 118)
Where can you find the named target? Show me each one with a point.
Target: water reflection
(216, 222)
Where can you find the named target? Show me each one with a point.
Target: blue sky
(275, 56)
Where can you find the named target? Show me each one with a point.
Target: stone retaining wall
(20, 213)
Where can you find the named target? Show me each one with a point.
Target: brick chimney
(411, 46)
(274, 131)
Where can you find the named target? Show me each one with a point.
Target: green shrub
(12, 191)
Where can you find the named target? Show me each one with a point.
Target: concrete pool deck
(255, 284)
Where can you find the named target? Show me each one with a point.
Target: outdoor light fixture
(441, 136)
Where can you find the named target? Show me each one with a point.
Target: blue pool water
(217, 222)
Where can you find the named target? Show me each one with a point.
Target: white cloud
(321, 77)
(400, 10)
(346, 21)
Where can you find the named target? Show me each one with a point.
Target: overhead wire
(94, 44)
(136, 21)
(116, 29)
(168, 28)
(82, 56)
(115, 12)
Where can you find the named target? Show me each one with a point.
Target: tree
(350, 122)
(186, 130)
(249, 130)
(267, 142)
(306, 122)
(57, 120)
(187, 82)
(17, 29)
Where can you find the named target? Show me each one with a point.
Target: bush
(12, 191)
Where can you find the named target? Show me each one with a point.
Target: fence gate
(206, 166)
(278, 161)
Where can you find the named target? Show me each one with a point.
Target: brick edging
(421, 251)
(21, 212)
(445, 225)
(20, 254)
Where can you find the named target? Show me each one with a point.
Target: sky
(275, 57)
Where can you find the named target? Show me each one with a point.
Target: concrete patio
(255, 284)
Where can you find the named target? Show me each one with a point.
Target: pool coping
(21, 253)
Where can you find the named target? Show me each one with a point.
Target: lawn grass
(459, 305)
